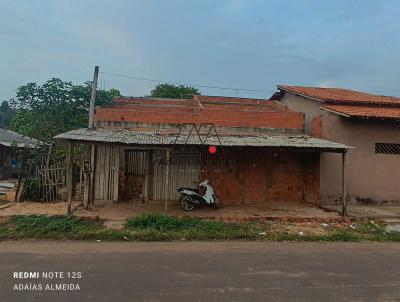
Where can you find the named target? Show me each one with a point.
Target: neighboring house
(370, 123)
(9, 141)
(148, 147)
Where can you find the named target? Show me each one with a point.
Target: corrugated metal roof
(140, 137)
(9, 138)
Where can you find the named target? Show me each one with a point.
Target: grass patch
(4, 232)
(162, 227)
(155, 227)
(53, 227)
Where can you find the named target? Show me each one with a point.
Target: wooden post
(69, 176)
(344, 184)
(93, 96)
(166, 189)
(91, 126)
(86, 191)
(80, 180)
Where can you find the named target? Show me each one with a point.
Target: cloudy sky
(238, 43)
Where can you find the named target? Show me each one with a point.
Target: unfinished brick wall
(258, 176)
(229, 112)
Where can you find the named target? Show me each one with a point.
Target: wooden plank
(110, 183)
(166, 182)
(116, 173)
(106, 173)
(98, 194)
(92, 188)
(147, 177)
(69, 177)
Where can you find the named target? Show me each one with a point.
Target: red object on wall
(212, 149)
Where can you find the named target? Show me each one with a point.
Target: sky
(251, 44)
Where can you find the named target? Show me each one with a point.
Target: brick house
(148, 147)
(370, 123)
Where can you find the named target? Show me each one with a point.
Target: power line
(235, 89)
(186, 84)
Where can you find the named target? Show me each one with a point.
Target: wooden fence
(51, 180)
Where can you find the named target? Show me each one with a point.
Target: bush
(32, 189)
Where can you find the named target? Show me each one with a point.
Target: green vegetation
(6, 115)
(155, 227)
(169, 227)
(52, 227)
(174, 91)
(43, 111)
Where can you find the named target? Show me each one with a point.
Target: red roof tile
(365, 111)
(339, 95)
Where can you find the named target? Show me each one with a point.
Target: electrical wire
(236, 90)
(186, 84)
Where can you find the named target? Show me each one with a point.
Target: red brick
(250, 113)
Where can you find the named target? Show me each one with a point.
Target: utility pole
(93, 146)
(93, 96)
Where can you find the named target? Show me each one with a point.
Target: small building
(370, 123)
(9, 142)
(148, 147)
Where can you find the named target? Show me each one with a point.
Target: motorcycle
(204, 195)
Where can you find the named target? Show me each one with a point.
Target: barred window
(385, 148)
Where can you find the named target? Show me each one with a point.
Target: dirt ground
(371, 212)
(109, 210)
(117, 211)
(34, 208)
(122, 210)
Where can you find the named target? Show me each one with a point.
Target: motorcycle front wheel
(186, 203)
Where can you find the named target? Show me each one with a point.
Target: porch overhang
(167, 139)
(154, 138)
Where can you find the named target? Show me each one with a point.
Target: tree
(174, 91)
(55, 107)
(6, 115)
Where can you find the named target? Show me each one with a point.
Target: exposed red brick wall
(311, 177)
(239, 113)
(316, 126)
(258, 176)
